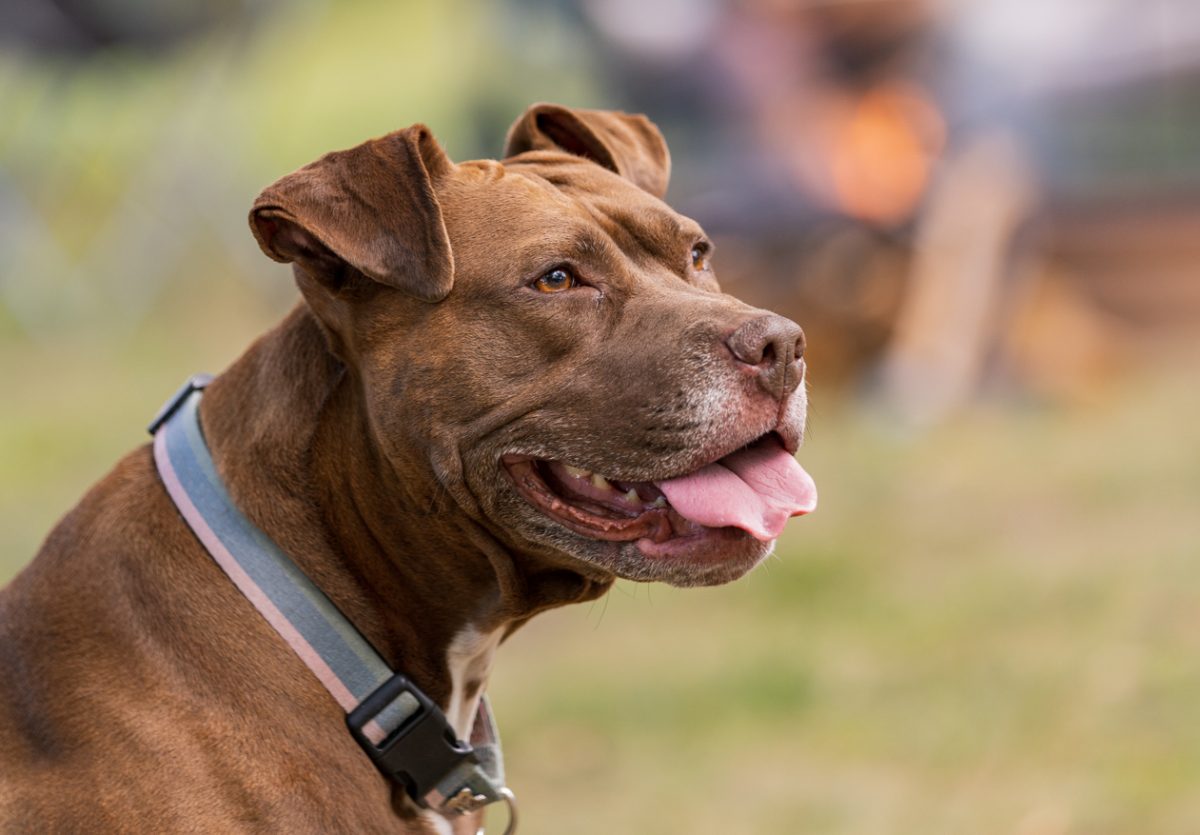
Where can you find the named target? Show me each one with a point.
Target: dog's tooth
(632, 497)
(600, 482)
(660, 501)
(577, 472)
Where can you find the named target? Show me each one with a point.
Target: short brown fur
(140, 691)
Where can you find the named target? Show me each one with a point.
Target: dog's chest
(469, 661)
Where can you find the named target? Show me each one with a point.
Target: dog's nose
(773, 347)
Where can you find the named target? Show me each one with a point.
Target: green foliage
(125, 174)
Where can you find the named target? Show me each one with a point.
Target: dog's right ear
(629, 145)
(372, 208)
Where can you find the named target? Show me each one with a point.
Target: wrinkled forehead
(546, 199)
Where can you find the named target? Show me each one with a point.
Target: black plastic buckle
(194, 383)
(418, 754)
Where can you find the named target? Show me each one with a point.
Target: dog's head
(544, 340)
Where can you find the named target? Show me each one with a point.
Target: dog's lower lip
(600, 513)
(661, 535)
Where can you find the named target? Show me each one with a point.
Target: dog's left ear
(630, 145)
(372, 208)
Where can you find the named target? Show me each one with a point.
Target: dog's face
(549, 345)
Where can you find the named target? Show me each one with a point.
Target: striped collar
(405, 734)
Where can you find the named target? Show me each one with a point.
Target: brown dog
(509, 383)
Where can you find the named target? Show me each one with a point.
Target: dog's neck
(426, 585)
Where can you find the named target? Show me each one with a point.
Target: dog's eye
(555, 281)
(700, 257)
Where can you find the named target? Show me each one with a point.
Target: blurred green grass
(987, 628)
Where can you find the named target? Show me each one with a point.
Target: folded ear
(372, 208)
(628, 145)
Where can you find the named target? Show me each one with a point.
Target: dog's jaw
(653, 542)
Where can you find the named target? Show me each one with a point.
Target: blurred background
(986, 215)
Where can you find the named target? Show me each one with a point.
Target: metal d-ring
(510, 800)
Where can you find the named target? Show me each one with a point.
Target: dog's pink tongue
(756, 489)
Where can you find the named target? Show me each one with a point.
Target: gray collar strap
(407, 736)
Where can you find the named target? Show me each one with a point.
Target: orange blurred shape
(883, 150)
